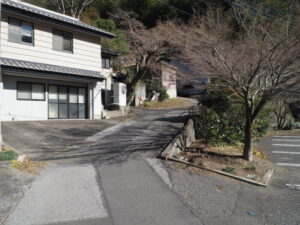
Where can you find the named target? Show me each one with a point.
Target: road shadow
(117, 147)
(62, 142)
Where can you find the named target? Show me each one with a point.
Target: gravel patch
(13, 185)
(209, 195)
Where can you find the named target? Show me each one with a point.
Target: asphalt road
(284, 150)
(106, 178)
(217, 200)
(111, 177)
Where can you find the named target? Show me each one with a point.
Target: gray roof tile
(53, 15)
(49, 68)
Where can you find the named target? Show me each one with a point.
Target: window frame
(104, 65)
(20, 25)
(72, 41)
(31, 84)
(86, 99)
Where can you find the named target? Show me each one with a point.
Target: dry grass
(28, 166)
(228, 159)
(168, 104)
(284, 132)
(6, 148)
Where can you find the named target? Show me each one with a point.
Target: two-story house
(51, 66)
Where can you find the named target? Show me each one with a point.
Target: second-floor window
(20, 31)
(105, 62)
(62, 41)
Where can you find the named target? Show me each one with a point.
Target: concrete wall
(120, 93)
(107, 73)
(140, 94)
(86, 48)
(168, 74)
(14, 109)
(97, 106)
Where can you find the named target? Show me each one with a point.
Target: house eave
(108, 52)
(28, 14)
(47, 74)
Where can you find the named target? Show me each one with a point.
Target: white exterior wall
(107, 73)
(14, 109)
(169, 80)
(120, 94)
(86, 48)
(97, 106)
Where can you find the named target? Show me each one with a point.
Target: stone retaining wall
(181, 141)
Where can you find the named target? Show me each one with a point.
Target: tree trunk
(247, 155)
(131, 93)
(133, 84)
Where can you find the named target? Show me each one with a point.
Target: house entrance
(65, 102)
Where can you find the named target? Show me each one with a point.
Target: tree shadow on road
(117, 147)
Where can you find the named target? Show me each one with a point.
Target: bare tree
(281, 113)
(148, 46)
(72, 8)
(257, 65)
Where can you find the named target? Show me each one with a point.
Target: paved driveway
(41, 139)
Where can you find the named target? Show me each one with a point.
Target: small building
(52, 65)
(163, 75)
(168, 78)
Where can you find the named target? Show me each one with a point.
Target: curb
(219, 172)
(182, 140)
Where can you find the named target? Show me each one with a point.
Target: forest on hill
(100, 13)
(250, 48)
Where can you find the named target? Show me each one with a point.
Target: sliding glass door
(67, 102)
(63, 102)
(53, 102)
(82, 103)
